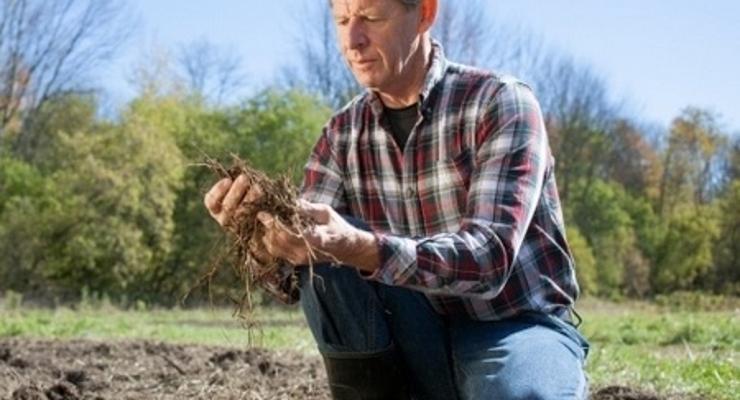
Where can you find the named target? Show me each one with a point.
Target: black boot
(366, 376)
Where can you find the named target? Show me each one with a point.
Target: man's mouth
(363, 62)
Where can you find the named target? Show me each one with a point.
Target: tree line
(114, 205)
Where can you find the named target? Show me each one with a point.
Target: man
(435, 192)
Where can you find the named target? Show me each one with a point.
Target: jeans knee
(521, 390)
(525, 387)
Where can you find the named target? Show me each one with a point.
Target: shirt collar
(434, 74)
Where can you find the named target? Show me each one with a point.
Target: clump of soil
(279, 197)
(622, 393)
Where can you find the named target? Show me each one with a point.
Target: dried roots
(280, 199)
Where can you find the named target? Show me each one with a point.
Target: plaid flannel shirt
(468, 212)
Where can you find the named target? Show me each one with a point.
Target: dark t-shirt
(401, 122)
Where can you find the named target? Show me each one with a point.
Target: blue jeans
(532, 356)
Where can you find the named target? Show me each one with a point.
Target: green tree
(685, 254)
(586, 268)
(18, 177)
(102, 218)
(24, 195)
(726, 273)
(276, 131)
(198, 132)
(62, 113)
(603, 215)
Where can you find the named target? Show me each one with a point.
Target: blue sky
(659, 55)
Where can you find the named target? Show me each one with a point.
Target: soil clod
(63, 391)
(622, 393)
(28, 393)
(5, 354)
(76, 377)
(19, 363)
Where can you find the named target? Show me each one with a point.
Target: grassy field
(277, 328)
(671, 349)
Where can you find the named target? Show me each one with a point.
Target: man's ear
(428, 14)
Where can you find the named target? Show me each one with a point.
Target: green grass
(277, 328)
(671, 351)
(668, 349)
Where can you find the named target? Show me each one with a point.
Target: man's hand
(226, 197)
(332, 238)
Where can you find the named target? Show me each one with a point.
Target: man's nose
(357, 36)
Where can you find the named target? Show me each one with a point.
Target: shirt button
(410, 193)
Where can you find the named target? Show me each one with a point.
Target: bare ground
(90, 370)
(79, 369)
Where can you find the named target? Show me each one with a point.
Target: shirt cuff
(397, 260)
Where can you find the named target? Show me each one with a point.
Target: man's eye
(342, 21)
(370, 18)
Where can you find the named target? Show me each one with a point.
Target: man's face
(377, 38)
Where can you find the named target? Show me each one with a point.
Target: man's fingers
(254, 194)
(258, 251)
(273, 246)
(278, 231)
(267, 245)
(215, 196)
(280, 241)
(235, 195)
(265, 218)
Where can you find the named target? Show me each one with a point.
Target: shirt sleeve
(322, 179)
(506, 184)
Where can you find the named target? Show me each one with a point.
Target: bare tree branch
(209, 71)
(49, 47)
(321, 69)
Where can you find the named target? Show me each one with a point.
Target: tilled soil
(79, 369)
(90, 370)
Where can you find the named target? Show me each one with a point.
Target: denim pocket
(562, 327)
